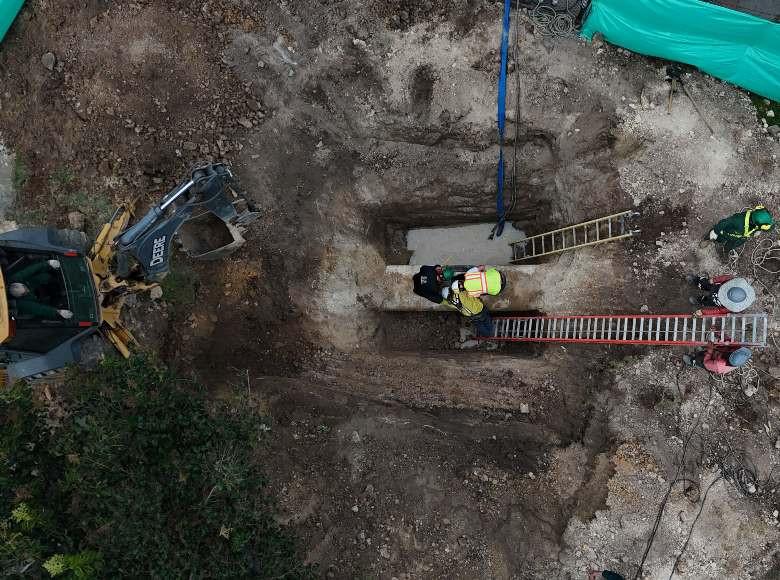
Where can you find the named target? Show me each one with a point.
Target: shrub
(144, 478)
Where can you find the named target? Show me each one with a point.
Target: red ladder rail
(655, 329)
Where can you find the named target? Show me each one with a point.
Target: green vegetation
(20, 173)
(27, 217)
(134, 474)
(96, 209)
(180, 286)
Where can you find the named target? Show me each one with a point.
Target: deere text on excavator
(76, 293)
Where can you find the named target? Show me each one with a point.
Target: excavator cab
(91, 283)
(34, 340)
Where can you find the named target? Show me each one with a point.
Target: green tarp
(736, 47)
(8, 11)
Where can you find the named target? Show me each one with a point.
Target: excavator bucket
(217, 231)
(207, 214)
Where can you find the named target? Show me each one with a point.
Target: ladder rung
(752, 329)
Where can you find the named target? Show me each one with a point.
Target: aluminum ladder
(598, 231)
(663, 329)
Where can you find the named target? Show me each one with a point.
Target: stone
(770, 113)
(355, 509)
(76, 220)
(774, 130)
(246, 123)
(524, 408)
(156, 293)
(48, 60)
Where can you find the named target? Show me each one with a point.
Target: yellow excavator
(59, 297)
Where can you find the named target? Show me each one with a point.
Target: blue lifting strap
(500, 209)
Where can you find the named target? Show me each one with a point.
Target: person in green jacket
(734, 231)
(23, 290)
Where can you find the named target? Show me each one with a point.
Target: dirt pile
(394, 453)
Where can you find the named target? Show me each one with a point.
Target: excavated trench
(445, 214)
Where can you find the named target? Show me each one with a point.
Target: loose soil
(394, 451)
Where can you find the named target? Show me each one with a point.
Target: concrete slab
(523, 291)
(468, 244)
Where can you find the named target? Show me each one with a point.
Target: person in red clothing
(723, 294)
(719, 359)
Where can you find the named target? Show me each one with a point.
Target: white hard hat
(17, 289)
(736, 295)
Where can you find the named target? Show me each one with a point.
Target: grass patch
(27, 217)
(180, 286)
(97, 209)
(69, 195)
(142, 477)
(21, 174)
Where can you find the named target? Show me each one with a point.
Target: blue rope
(500, 208)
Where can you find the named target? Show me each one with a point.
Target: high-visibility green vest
(479, 283)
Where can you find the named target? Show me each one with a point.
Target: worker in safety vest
(724, 294)
(734, 231)
(719, 359)
(464, 296)
(479, 281)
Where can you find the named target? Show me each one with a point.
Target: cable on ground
(693, 525)
(675, 480)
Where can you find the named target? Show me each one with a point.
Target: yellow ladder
(598, 231)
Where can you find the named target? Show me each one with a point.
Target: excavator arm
(205, 212)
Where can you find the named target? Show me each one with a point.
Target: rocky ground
(394, 453)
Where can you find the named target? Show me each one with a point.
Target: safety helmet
(737, 295)
(762, 218)
(17, 289)
(740, 356)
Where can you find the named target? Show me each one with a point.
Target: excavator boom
(207, 214)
